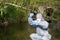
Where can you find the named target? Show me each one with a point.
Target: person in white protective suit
(41, 27)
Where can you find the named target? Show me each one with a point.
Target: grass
(17, 32)
(20, 32)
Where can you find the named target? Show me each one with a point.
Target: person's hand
(31, 14)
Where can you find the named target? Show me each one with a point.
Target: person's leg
(49, 36)
(35, 36)
(46, 37)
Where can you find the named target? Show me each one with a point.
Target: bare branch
(17, 6)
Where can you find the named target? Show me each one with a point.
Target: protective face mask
(38, 19)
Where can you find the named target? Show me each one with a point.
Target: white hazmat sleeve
(44, 24)
(30, 18)
(31, 21)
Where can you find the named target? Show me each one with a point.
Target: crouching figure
(41, 27)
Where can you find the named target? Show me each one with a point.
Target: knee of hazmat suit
(35, 36)
(48, 37)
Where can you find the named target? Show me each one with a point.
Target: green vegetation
(14, 15)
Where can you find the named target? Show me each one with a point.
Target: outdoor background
(14, 15)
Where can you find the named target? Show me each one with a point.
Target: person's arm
(30, 18)
(44, 24)
(31, 21)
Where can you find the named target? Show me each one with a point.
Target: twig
(17, 6)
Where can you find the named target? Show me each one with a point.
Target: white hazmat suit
(41, 30)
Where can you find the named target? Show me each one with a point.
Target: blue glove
(34, 25)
